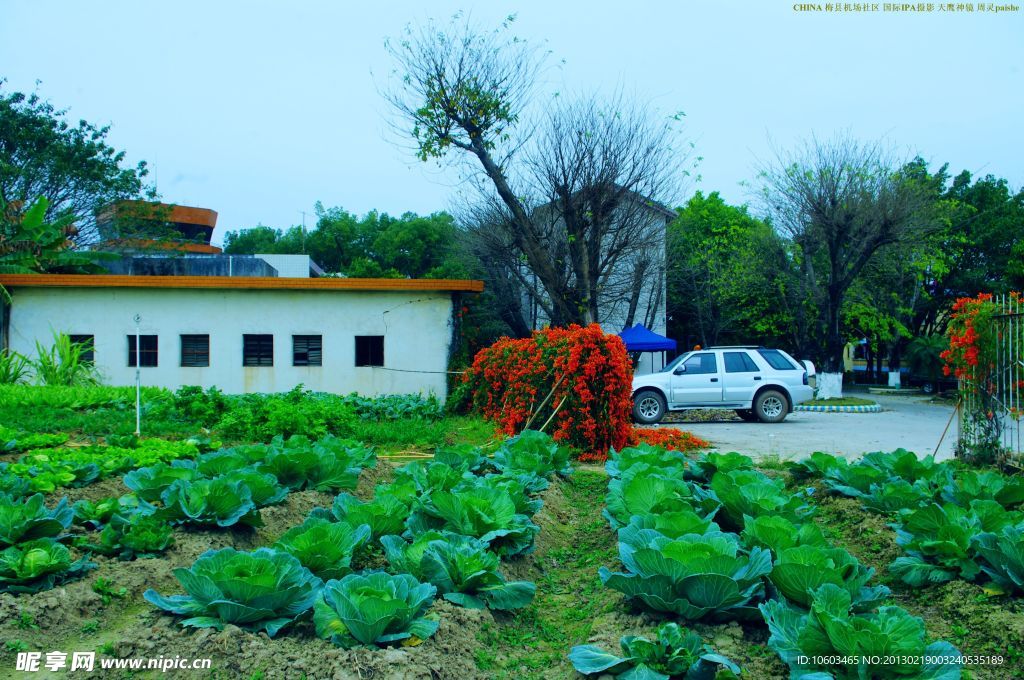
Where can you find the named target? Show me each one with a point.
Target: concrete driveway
(912, 423)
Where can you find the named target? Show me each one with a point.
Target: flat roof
(233, 282)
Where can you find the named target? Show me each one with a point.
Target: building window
(88, 345)
(257, 350)
(147, 349)
(195, 350)
(307, 350)
(369, 350)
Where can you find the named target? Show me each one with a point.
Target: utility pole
(138, 376)
(303, 231)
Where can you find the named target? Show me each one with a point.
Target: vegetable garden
(314, 536)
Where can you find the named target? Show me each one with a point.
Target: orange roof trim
(233, 282)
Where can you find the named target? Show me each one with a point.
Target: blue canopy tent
(639, 338)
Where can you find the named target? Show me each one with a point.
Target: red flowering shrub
(579, 378)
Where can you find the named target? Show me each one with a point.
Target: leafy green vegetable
(892, 637)
(748, 493)
(673, 524)
(517, 487)
(150, 483)
(324, 547)
(384, 514)
(801, 570)
(374, 609)
(142, 533)
(94, 514)
(1003, 555)
(481, 512)
(13, 485)
(644, 490)
(532, 452)
(462, 568)
(672, 463)
(897, 494)
(970, 485)
(778, 533)
(705, 467)
(937, 540)
(37, 565)
(677, 653)
(264, 590)
(693, 576)
(210, 502)
(26, 519)
(263, 487)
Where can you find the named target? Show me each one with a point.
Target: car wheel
(771, 407)
(648, 407)
(746, 414)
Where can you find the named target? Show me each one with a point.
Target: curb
(873, 408)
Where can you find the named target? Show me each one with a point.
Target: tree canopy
(43, 154)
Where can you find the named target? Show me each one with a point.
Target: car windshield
(675, 362)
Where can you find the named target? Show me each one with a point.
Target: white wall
(415, 325)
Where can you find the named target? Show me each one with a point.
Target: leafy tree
(728, 275)
(42, 154)
(841, 203)
(570, 194)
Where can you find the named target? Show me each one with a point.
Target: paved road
(912, 423)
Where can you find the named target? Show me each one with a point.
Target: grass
(570, 597)
(840, 401)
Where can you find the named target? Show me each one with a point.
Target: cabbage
(534, 453)
(480, 512)
(37, 565)
(26, 519)
(800, 570)
(645, 490)
(264, 590)
(748, 493)
(462, 568)
(324, 547)
(693, 576)
(891, 636)
(677, 653)
(374, 609)
(1003, 555)
(210, 502)
(383, 515)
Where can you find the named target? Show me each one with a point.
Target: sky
(260, 109)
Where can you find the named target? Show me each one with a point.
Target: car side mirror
(679, 370)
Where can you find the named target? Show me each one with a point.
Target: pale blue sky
(259, 109)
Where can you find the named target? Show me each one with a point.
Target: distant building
(253, 323)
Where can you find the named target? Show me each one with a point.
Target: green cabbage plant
(37, 565)
(28, 518)
(149, 483)
(384, 514)
(463, 569)
(645, 490)
(937, 540)
(480, 512)
(210, 502)
(374, 609)
(969, 485)
(891, 638)
(532, 452)
(693, 576)
(676, 653)
(142, 533)
(1003, 555)
(749, 493)
(324, 547)
(801, 570)
(263, 590)
(778, 533)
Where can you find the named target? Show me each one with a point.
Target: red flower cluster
(668, 438)
(969, 328)
(578, 377)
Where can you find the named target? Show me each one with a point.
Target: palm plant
(62, 363)
(924, 355)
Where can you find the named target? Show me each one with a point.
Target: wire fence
(992, 407)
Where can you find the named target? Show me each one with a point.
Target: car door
(742, 378)
(697, 380)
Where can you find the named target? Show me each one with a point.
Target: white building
(247, 334)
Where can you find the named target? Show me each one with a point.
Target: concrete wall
(416, 326)
(294, 266)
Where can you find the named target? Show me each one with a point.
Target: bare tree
(841, 203)
(572, 200)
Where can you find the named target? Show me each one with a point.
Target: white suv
(759, 383)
